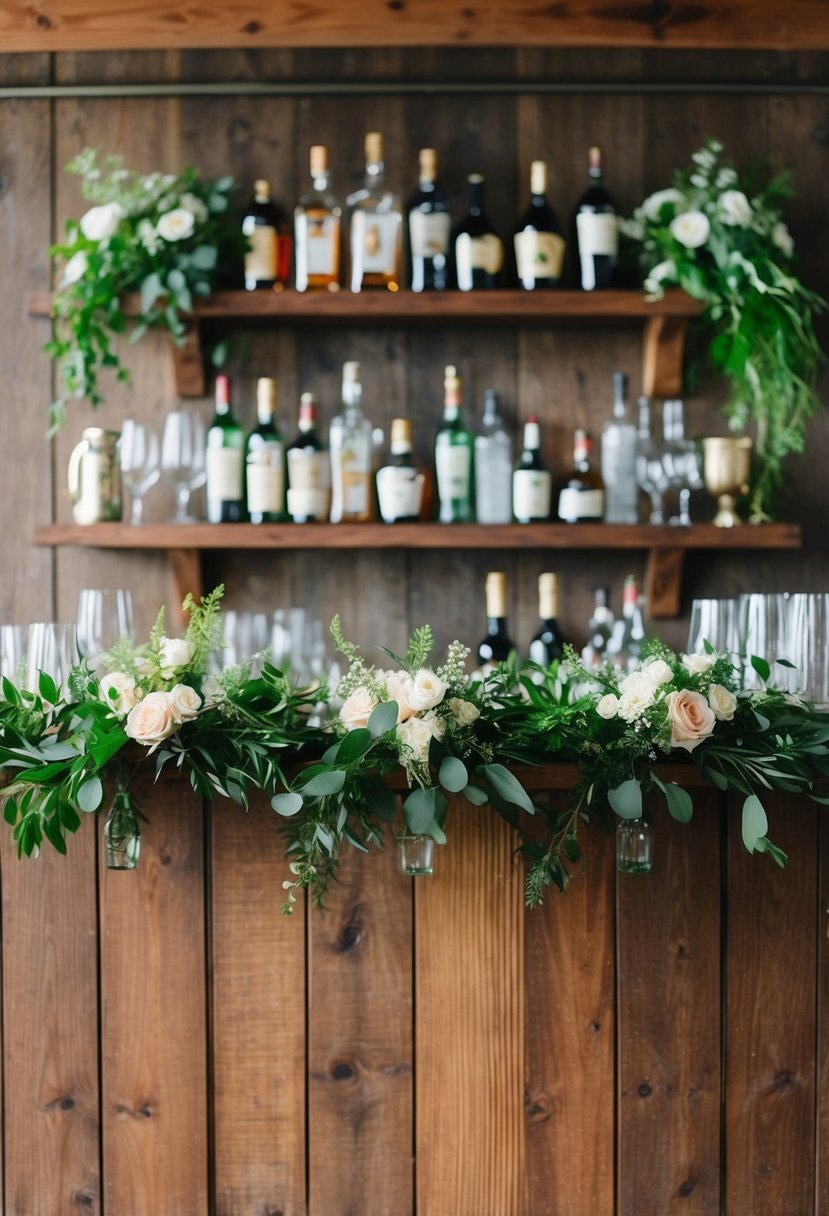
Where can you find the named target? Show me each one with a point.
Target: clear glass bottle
(651, 475)
(479, 250)
(224, 460)
(548, 644)
(400, 483)
(352, 453)
(497, 645)
(539, 242)
(429, 228)
(308, 468)
(454, 457)
(634, 846)
(599, 629)
(318, 230)
(624, 647)
(582, 497)
(376, 226)
(493, 465)
(597, 230)
(265, 460)
(621, 493)
(268, 261)
(532, 481)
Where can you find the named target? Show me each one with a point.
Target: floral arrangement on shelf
(166, 236)
(723, 240)
(431, 731)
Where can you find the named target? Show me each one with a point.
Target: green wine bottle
(225, 461)
(454, 452)
(265, 460)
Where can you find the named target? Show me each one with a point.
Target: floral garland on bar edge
(321, 756)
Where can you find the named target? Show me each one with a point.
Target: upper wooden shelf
(665, 321)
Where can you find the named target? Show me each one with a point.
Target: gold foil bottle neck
(548, 596)
(319, 159)
(538, 177)
(496, 594)
(262, 188)
(428, 158)
(401, 433)
(374, 148)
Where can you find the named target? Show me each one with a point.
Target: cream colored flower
(608, 706)
(428, 690)
(780, 235)
(186, 702)
(637, 696)
(722, 702)
(691, 229)
(152, 720)
(174, 655)
(176, 225)
(75, 269)
(118, 691)
(357, 709)
(698, 664)
(399, 689)
(656, 672)
(653, 204)
(691, 718)
(735, 208)
(417, 734)
(435, 723)
(464, 712)
(192, 203)
(101, 222)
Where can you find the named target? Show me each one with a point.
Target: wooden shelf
(665, 321)
(666, 546)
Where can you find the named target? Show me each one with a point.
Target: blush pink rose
(357, 709)
(152, 719)
(691, 718)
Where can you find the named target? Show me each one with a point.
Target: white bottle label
(574, 505)
(317, 245)
(477, 253)
(453, 463)
(493, 479)
(224, 474)
(531, 493)
(308, 474)
(266, 481)
(598, 233)
(619, 474)
(375, 240)
(400, 493)
(262, 258)
(538, 255)
(429, 233)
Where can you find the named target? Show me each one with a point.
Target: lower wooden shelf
(665, 546)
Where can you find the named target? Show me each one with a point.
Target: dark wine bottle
(265, 460)
(548, 644)
(532, 482)
(597, 230)
(309, 469)
(429, 228)
(582, 497)
(479, 251)
(224, 462)
(539, 243)
(497, 646)
(268, 261)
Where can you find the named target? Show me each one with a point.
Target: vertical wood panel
(154, 1010)
(570, 1040)
(258, 1018)
(469, 968)
(668, 926)
(360, 1038)
(770, 1018)
(822, 1131)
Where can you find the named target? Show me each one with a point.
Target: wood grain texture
(154, 1014)
(822, 1133)
(570, 1035)
(360, 1087)
(93, 25)
(771, 995)
(257, 1040)
(470, 1023)
(668, 944)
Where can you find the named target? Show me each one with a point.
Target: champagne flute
(104, 618)
(14, 640)
(183, 460)
(139, 463)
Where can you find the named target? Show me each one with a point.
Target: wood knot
(165, 859)
(594, 1027)
(686, 1188)
(84, 1200)
(351, 932)
(67, 1104)
(538, 1107)
(396, 6)
(43, 22)
(342, 1071)
(783, 1080)
(644, 1090)
(252, 27)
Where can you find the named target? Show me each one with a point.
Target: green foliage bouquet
(723, 240)
(166, 236)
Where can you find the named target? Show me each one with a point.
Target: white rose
(75, 268)
(722, 702)
(653, 205)
(656, 672)
(399, 689)
(608, 706)
(691, 718)
(632, 228)
(152, 720)
(464, 712)
(637, 696)
(781, 237)
(725, 177)
(212, 691)
(176, 225)
(428, 690)
(101, 222)
(118, 691)
(691, 229)
(357, 709)
(662, 272)
(417, 734)
(174, 654)
(436, 724)
(190, 202)
(186, 702)
(698, 664)
(735, 208)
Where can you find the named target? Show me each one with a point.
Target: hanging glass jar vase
(122, 835)
(634, 846)
(415, 854)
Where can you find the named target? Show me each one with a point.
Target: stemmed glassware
(14, 641)
(139, 463)
(681, 459)
(183, 460)
(650, 469)
(104, 618)
(52, 648)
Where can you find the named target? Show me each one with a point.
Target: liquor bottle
(497, 646)
(350, 446)
(599, 629)
(597, 230)
(621, 493)
(400, 483)
(582, 497)
(624, 647)
(268, 261)
(479, 251)
(317, 230)
(429, 228)
(224, 461)
(376, 224)
(532, 482)
(265, 460)
(309, 469)
(539, 243)
(454, 449)
(493, 465)
(548, 644)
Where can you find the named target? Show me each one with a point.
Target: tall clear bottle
(479, 250)
(532, 482)
(497, 646)
(539, 242)
(597, 229)
(454, 457)
(224, 461)
(317, 230)
(493, 465)
(352, 454)
(265, 460)
(618, 461)
(376, 226)
(624, 647)
(429, 228)
(599, 629)
(309, 469)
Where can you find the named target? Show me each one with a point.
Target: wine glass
(104, 618)
(681, 459)
(14, 641)
(183, 460)
(651, 475)
(52, 648)
(139, 463)
(719, 623)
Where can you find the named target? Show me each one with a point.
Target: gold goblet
(726, 468)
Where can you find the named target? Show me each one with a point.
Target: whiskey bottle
(350, 446)
(582, 497)
(317, 230)
(268, 261)
(376, 226)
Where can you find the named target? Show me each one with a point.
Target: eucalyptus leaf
(508, 786)
(422, 807)
(680, 804)
(383, 719)
(755, 822)
(287, 804)
(90, 795)
(324, 784)
(453, 775)
(474, 794)
(354, 745)
(626, 799)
